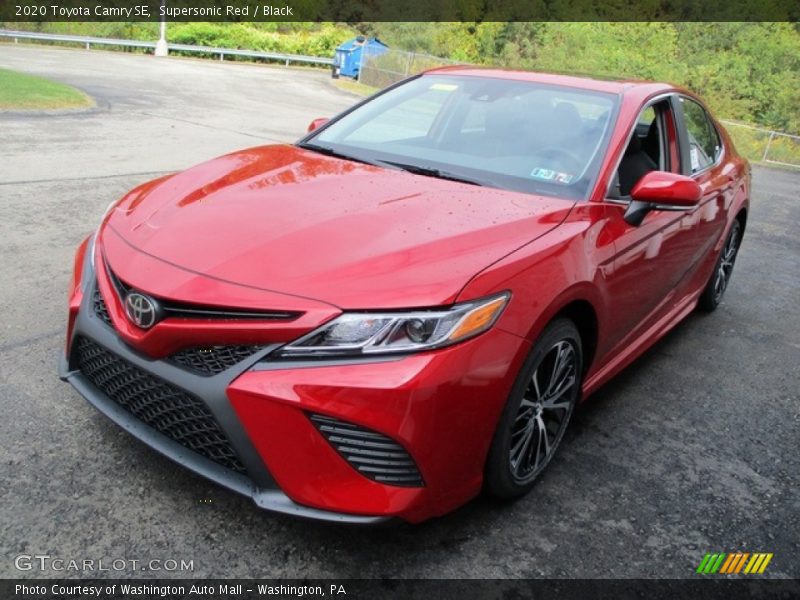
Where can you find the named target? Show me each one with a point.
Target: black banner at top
(397, 10)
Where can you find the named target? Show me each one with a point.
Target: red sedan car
(404, 308)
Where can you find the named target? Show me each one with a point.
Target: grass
(20, 91)
(349, 85)
(753, 144)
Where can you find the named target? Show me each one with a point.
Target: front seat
(503, 124)
(635, 164)
(652, 142)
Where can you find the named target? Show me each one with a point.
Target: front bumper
(441, 406)
(257, 484)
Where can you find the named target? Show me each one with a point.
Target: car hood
(288, 220)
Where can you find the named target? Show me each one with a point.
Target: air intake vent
(211, 360)
(100, 308)
(372, 454)
(164, 407)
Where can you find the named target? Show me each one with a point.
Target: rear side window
(704, 143)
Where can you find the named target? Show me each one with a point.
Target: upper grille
(164, 407)
(372, 454)
(100, 308)
(211, 360)
(198, 311)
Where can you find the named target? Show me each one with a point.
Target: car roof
(611, 86)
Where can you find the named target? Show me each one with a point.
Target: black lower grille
(164, 407)
(211, 360)
(372, 454)
(100, 308)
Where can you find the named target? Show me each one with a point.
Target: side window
(646, 118)
(648, 149)
(704, 143)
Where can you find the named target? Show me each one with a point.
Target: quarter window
(704, 142)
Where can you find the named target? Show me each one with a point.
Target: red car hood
(288, 220)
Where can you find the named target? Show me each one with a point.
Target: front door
(653, 258)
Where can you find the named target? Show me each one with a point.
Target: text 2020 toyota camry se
(404, 308)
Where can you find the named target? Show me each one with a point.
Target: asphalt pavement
(692, 449)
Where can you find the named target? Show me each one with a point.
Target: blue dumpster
(348, 57)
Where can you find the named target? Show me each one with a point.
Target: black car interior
(645, 153)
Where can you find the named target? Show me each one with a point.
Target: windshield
(513, 135)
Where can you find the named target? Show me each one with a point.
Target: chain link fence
(381, 67)
(765, 145)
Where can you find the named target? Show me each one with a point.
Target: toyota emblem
(142, 310)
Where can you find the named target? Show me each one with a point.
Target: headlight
(356, 334)
(87, 275)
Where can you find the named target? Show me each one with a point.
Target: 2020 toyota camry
(403, 308)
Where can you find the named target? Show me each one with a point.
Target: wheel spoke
(519, 450)
(557, 406)
(523, 415)
(535, 380)
(543, 441)
(551, 403)
(719, 284)
(562, 362)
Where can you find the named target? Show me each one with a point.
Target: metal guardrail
(88, 42)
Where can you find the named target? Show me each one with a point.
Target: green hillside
(746, 71)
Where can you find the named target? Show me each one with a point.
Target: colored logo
(734, 563)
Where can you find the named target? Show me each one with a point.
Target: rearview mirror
(317, 123)
(660, 190)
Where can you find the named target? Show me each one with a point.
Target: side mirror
(317, 123)
(661, 190)
(667, 188)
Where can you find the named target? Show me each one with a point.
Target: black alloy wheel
(537, 412)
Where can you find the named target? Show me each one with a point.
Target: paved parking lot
(693, 449)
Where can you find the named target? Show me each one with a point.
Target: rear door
(704, 159)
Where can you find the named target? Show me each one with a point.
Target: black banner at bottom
(398, 589)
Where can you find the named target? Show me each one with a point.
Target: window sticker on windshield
(554, 176)
(444, 87)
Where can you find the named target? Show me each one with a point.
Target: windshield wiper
(432, 172)
(328, 151)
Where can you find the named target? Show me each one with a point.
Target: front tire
(537, 412)
(723, 270)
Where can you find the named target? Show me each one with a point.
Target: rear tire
(537, 412)
(723, 270)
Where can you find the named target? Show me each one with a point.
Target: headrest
(566, 115)
(503, 118)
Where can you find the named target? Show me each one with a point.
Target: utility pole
(161, 46)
